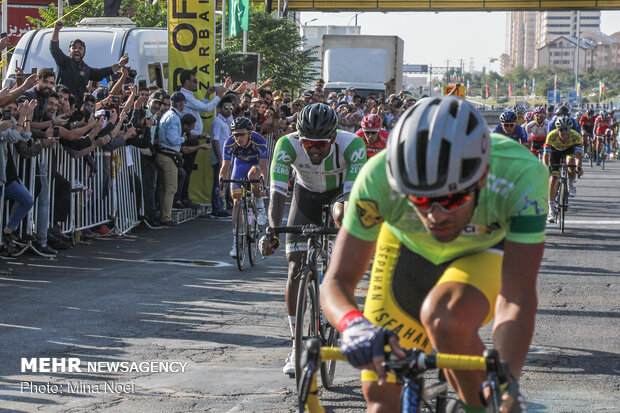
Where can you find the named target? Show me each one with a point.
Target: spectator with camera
(73, 72)
(168, 157)
(11, 132)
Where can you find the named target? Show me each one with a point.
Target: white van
(107, 39)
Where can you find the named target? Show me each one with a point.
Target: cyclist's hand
(513, 400)
(362, 344)
(268, 245)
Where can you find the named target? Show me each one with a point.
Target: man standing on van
(72, 71)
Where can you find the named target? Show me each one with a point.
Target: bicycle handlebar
(306, 230)
(421, 360)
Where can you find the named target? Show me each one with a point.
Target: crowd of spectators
(69, 106)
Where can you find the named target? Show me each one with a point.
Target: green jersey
(340, 168)
(512, 206)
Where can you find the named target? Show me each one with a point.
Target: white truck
(370, 64)
(107, 39)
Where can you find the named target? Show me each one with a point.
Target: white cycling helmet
(438, 147)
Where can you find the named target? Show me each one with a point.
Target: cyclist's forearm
(276, 209)
(516, 305)
(514, 328)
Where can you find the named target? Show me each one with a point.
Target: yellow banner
(442, 5)
(191, 45)
(455, 90)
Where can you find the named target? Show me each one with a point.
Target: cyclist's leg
(240, 171)
(463, 301)
(554, 162)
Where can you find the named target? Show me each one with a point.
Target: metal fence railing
(78, 193)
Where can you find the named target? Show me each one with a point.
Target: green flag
(238, 16)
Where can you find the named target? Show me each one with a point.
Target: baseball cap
(157, 96)
(177, 97)
(308, 94)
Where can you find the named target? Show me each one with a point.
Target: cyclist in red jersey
(537, 130)
(601, 124)
(587, 128)
(374, 136)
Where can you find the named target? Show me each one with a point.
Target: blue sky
(432, 38)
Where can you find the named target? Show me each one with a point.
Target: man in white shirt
(189, 84)
(195, 107)
(220, 131)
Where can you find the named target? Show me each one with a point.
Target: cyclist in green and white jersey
(326, 162)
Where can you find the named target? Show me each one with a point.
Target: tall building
(526, 32)
(521, 38)
(551, 24)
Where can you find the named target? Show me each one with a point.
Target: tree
(144, 14)
(279, 43)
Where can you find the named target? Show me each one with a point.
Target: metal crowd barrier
(106, 190)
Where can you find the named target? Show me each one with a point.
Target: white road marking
(593, 221)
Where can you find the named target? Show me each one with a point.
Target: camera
(116, 100)
(56, 132)
(133, 73)
(7, 114)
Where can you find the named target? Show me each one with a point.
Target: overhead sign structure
(445, 5)
(191, 40)
(415, 68)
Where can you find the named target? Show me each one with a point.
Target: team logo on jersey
(368, 213)
(358, 155)
(283, 156)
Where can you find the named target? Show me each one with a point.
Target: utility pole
(577, 51)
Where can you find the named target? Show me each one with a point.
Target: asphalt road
(110, 301)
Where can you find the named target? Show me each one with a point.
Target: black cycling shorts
(307, 208)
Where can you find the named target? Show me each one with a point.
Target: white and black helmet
(438, 147)
(317, 121)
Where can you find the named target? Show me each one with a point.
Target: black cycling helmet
(508, 117)
(590, 112)
(317, 121)
(563, 111)
(241, 123)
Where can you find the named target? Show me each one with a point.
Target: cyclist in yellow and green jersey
(455, 218)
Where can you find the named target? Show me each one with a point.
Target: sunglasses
(448, 203)
(367, 132)
(239, 134)
(563, 129)
(509, 125)
(319, 144)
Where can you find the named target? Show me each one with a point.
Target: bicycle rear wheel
(253, 236)
(241, 236)
(328, 368)
(563, 203)
(603, 156)
(306, 318)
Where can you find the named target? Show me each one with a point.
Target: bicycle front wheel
(328, 368)
(306, 318)
(563, 203)
(241, 236)
(253, 236)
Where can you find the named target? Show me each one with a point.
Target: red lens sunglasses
(319, 144)
(448, 203)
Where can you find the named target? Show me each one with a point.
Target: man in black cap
(72, 71)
